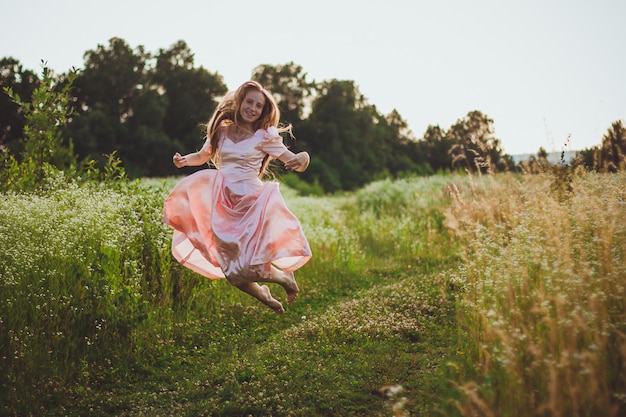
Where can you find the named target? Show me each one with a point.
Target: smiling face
(251, 107)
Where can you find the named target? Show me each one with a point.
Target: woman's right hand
(179, 160)
(299, 162)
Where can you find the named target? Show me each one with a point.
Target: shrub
(87, 282)
(44, 146)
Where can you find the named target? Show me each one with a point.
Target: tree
(144, 107)
(44, 146)
(474, 145)
(191, 94)
(22, 82)
(289, 86)
(354, 142)
(112, 76)
(612, 152)
(106, 93)
(586, 158)
(401, 152)
(536, 163)
(147, 146)
(436, 146)
(342, 137)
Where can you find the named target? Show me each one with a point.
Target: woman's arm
(193, 159)
(295, 162)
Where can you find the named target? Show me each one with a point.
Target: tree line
(145, 106)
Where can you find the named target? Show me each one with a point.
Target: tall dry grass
(544, 289)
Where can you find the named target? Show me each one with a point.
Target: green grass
(492, 296)
(372, 312)
(305, 364)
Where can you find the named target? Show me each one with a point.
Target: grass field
(446, 295)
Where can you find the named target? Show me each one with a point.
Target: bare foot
(270, 301)
(290, 286)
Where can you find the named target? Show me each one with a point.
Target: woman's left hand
(300, 162)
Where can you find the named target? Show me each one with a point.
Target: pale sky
(541, 69)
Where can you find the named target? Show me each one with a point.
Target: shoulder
(270, 142)
(270, 134)
(220, 134)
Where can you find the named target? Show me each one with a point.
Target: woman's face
(252, 106)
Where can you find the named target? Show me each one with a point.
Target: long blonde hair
(227, 113)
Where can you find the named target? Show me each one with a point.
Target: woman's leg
(289, 284)
(263, 294)
(285, 279)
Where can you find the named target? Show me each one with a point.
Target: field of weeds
(543, 285)
(446, 295)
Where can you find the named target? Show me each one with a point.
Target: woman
(227, 222)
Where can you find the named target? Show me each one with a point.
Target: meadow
(449, 295)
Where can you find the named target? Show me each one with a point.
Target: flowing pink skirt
(235, 230)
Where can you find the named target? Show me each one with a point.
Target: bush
(87, 282)
(44, 146)
(294, 182)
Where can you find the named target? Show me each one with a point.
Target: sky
(549, 73)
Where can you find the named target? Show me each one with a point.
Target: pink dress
(228, 223)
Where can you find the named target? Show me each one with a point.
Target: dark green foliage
(144, 107)
(290, 87)
(353, 143)
(44, 148)
(22, 82)
(145, 113)
(436, 146)
(190, 97)
(46, 154)
(474, 147)
(612, 154)
(294, 182)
